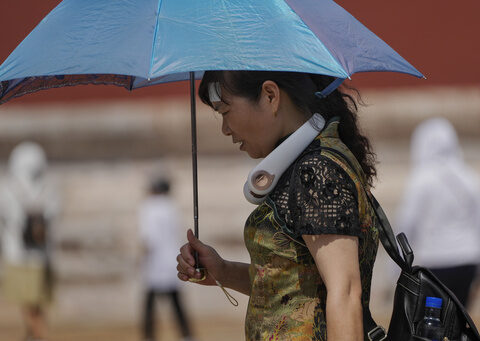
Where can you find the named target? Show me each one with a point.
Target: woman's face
(252, 125)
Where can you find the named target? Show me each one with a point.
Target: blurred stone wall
(145, 129)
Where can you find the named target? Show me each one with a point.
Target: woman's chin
(255, 155)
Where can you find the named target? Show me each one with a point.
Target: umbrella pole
(194, 159)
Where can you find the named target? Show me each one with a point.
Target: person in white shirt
(440, 213)
(159, 233)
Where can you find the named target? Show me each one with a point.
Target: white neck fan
(263, 178)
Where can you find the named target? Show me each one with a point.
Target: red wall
(440, 38)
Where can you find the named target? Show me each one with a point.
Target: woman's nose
(225, 128)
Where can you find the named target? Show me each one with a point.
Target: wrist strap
(232, 299)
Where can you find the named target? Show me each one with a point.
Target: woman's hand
(207, 257)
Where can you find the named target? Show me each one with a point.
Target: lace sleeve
(323, 198)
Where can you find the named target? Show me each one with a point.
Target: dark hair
(301, 88)
(160, 186)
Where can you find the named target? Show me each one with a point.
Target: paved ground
(215, 328)
(212, 328)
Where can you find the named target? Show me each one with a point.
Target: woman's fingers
(185, 270)
(195, 243)
(186, 251)
(186, 261)
(183, 266)
(182, 277)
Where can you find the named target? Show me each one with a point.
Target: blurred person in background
(159, 233)
(28, 203)
(440, 212)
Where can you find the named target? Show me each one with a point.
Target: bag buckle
(377, 334)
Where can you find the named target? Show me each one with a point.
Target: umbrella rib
(320, 42)
(154, 38)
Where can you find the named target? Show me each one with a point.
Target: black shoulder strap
(386, 235)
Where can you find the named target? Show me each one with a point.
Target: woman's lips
(241, 143)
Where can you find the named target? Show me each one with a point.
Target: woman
(313, 241)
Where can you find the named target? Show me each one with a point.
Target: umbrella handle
(197, 262)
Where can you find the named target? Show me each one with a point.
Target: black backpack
(413, 286)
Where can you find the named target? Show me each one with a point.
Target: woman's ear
(271, 95)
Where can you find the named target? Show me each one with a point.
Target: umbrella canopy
(137, 43)
(146, 42)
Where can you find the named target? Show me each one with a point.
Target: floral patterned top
(318, 194)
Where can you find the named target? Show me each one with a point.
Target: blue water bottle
(431, 326)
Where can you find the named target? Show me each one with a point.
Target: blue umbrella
(145, 42)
